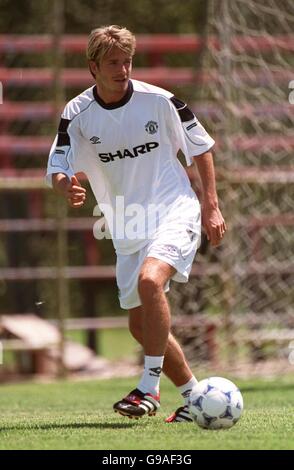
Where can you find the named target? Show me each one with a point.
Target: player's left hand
(214, 224)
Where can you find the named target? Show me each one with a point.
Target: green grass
(78, 415)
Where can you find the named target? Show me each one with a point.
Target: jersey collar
(117, 104)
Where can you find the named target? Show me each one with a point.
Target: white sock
(185, 390)
(150, 379)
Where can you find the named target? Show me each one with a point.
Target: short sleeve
(194, 140)
(66, 145)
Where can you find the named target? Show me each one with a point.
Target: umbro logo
(95, 140)
(156, 371)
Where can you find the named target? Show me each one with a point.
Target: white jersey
(129, 150)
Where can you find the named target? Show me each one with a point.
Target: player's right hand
(75, 193)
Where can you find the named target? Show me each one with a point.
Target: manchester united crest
(151, 127)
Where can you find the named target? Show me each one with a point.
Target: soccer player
(125, 136)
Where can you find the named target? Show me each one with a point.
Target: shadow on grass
(47, 427)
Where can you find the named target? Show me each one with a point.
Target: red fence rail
(157, 43)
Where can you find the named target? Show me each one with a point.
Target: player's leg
(143, 278)
(175, 366)
(155, 309)
(152, 278)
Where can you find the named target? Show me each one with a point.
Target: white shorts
(175, 244)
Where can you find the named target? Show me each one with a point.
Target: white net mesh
(248, 281)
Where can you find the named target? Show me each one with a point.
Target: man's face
(112, 74)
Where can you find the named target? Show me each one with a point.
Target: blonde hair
(103, 39)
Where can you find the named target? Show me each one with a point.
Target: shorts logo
(171, 249)
(151, 127)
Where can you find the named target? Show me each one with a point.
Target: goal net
(245, 287)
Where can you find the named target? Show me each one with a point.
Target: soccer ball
(215, 403)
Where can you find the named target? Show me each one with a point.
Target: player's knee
(148, 284)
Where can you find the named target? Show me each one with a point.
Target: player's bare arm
(212, 219)
(71, 189)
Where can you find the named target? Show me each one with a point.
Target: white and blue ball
(216, 403)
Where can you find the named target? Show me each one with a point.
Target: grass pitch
(78, 415)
